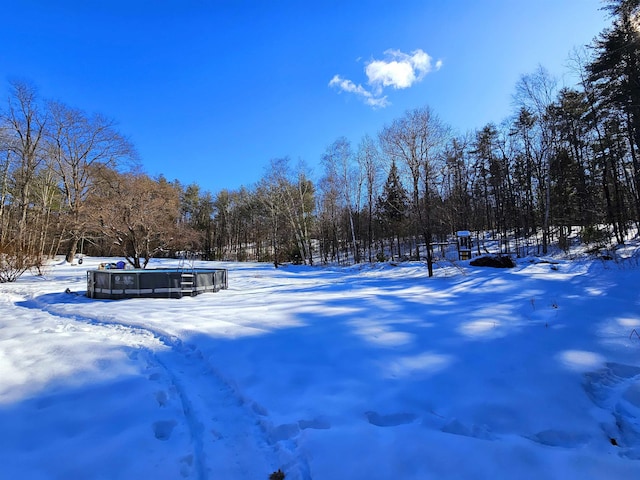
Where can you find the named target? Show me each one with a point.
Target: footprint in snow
(186, 466)
(161, 398)
(162, 429)
(558, 438)
(315, 424)
(391, 420)
(456, 427)
(616, 389)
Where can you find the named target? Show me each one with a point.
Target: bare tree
(536, 92)
(288, 196)
(5, 164)
(47, 199)
(457, 180)
(343, 182)
(138, 214)
(416, 140)
(77, 143)
(328, 200)
(24, 123)
(369, 164)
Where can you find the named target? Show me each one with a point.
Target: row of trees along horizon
(566, 159)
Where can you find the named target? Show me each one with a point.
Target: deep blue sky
(210, 91)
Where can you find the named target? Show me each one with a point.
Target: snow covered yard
(370, 372)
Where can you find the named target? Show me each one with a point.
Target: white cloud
(369, 98)
(347, 85)
(398, 71)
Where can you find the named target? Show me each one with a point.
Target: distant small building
(465, 243)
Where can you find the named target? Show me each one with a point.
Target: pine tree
(616, 71)
(393, 205)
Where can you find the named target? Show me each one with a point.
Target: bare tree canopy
(77, 144)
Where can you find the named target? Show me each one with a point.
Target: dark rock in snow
(496, 261)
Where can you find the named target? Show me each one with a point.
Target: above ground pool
(154, 283)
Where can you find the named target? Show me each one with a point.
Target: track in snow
(230, 435)
(616, 390)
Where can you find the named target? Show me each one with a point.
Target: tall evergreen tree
(393, 205)
(616, 71)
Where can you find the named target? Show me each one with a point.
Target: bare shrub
(14, 261)
(42, 267)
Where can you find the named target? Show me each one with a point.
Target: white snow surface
(366, 372)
